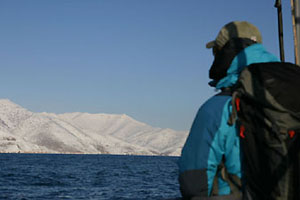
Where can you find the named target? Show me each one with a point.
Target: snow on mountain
(25, 131)
(11, 115)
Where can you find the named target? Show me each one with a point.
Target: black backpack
(266, 104)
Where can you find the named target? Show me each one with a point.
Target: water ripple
(35, 176)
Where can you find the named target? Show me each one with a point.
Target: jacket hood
(223, 57)
(255, 53)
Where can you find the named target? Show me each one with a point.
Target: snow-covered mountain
(25, 131)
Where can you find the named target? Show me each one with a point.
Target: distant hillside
(25, 131)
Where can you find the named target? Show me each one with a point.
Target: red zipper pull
(237, 104)
(291, 133)
(242, 131)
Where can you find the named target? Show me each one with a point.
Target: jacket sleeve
(204, 148)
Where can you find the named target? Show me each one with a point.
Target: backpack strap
(233, 116)
(233, 181)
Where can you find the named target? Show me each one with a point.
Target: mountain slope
(25, 131)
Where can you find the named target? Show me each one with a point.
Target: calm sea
(37, 176)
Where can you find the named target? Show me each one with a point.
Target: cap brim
(213, 83)
(210, 44)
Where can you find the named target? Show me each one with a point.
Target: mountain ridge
(24, 131)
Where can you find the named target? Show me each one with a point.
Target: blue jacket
(211, 138)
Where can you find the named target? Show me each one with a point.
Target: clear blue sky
(143, 58)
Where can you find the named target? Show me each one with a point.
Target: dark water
(36, 176)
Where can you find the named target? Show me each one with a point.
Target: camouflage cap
(236, 29)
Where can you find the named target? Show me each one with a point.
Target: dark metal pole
(297, 24)
(295, 32)
(280, 29)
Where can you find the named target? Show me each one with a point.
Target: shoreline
(80, 153)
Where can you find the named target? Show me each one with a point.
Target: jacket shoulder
(215, 104)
